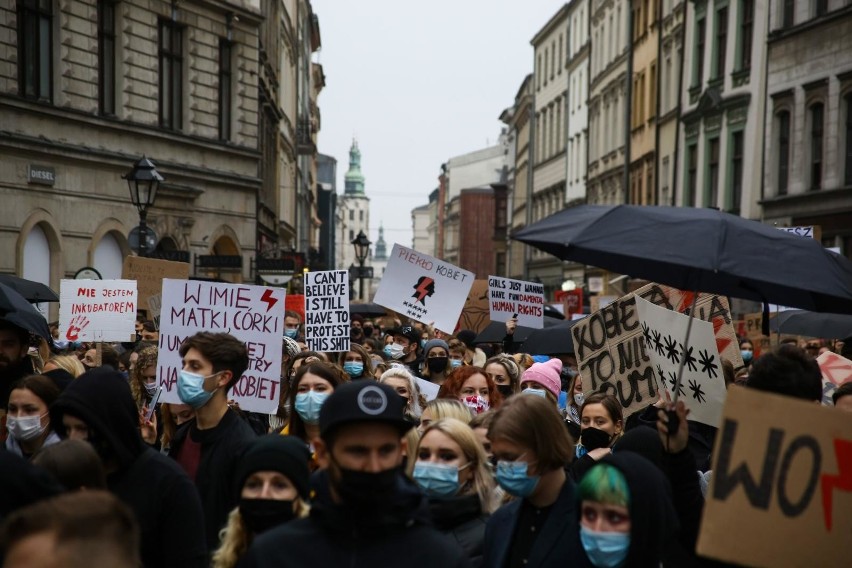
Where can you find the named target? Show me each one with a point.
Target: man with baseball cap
(365, 512)
(405, 347)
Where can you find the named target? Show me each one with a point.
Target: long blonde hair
(69, 363)
(448, 408)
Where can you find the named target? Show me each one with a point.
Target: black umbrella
(812, 324)
(551, 340)
(699, 249)
(495, 331)
(15, 309)
(368, 309)
(34, 292)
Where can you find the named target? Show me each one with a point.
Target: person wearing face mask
(542, 379)
(574, 404)
(293, 325)
(405, 347)
(532, 449)
(747, 351)
(273, 488)
(28, 416)
(601, 425)
(356, 362)
(143, 385)
(473, 387)
(312, 385)
(207, 447)
(436, 361)
(365, 511)
(505, 373)
(452, 470)
(458, 353)
(405, 385)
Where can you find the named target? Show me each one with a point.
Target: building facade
(354, 210)
(643, 115)
(669, 71)
(576, 113)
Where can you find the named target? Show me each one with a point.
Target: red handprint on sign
(77, 324)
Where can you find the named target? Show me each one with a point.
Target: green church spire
(354, 180)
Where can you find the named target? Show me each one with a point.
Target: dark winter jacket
(11, 374)
(220, 449)
(462, 519)
(397, 533)
(160, 494)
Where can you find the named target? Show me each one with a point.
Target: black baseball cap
(363, 401)
(407, 331)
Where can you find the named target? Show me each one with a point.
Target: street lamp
(362, 250)
(143, 181)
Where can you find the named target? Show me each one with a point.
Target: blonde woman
(403, 382)
(68, 363)
(444, 408)
(143, 377)
(452, 470)
(274, 486)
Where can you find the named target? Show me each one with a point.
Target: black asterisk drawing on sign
(708, 364)
(697, 393)
(671, 349)
(673, 382)
(662, 375)
(647, 334)
(689, 358)
(658, 344)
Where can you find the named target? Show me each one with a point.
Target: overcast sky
(418, 83)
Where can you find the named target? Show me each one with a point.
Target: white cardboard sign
(424, 288)
(507, 297)
(327, 310)
(252, 314)
(97, 310)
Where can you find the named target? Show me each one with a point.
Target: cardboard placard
(474, 315)
(781, 488)
(327, 310)
(702, 387)
(98, 310)
(836, 370)
(507, 297)
(149, 274)
(424, 288)
(252, 314)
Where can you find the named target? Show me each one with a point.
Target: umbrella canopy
(812, 324)
(551, 340)
(699, 249)
(367, 309)
(15, 309)
(34, 292)
(495, 331)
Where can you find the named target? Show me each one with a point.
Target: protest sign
(427, 389)
(149, 274)
(252, 314)
(702, 385)
(424, 288)
(295, 303)
(97, 310)
(508, 297)
(327, 310)
(781, 489)
(836, 370)
(474, 315)
(572, 301)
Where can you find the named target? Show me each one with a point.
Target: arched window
(108, 257)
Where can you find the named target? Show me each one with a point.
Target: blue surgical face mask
(151, 388)
(605, 549)
(512, 476)
(455, 363)
(747, 356)
(437, 479)
(353, 369)
(423, 343)
(536, 392)
(191, 389)
(308, 405)
(291, 333)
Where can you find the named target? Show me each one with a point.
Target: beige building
(670, 62)
(643, 115)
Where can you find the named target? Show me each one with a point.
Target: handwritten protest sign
(252, 314)
(97, 310)
(702, 386)
(836, 370)
(424, 288)
(327, 310)
(474, 315)
(149, 274)
(507, 297)
(781, 489)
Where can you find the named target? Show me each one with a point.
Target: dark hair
(728, 372)
(332, 373)
(124, 359)
(455, 380)
(43, 387)
(74, 463)
(787, 370)
(609, 402)
(109, 356)
(224, 351)
(293, 314)
(149, 326)
(23, 334)
(843, 390)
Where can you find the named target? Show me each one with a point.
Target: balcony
(304, 136)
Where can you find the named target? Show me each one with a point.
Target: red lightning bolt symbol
(842, 481)
(423, 289)
(267, 297)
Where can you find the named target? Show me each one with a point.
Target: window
(553, 58)
(558, 144)
(700, 31)
(546, 65)
(820, 8)
(691, 175)
(783, 151)
(721, 41)
(361, 216)
(816, 145)
(664, 179)
(746, 33)
(538, 71)
(351, 214)
(736, 170)
(788, 15)
(559, 70)
(171, 74)
(652, 88)
(106, 56)
(351, 234)
(666, 84)
(712, 173)
(35, 49)
(225, 98)
(848, 161)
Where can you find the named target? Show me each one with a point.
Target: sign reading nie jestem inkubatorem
(508, 297)
(252, 314)
(424, 288)
(97, 310)
(327, 310)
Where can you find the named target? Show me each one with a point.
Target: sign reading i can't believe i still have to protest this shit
(252, 314)
(97, 310)
(424, 288)
(327, 310)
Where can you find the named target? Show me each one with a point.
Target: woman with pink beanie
(542, 379)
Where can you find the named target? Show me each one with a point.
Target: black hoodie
(158, 491)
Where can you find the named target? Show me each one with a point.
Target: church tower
(353, 211)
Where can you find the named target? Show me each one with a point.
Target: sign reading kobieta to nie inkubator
(424, 288)
(327, 310)
(97, 310)
(508, 297)
(252, 314)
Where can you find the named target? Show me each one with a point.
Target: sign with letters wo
(97, 310)
(252, 314)
(781, 489)
(507, 297)
(327, 310)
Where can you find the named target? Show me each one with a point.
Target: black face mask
(261, 515)
(437, 364)
(368, 331)
(366, 491)
(505, 390)
(593, 438)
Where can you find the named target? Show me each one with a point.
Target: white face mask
(579, 398)
(26, 427)
(395, 350)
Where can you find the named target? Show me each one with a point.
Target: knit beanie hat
(273, 452)
(290, 347)
(545, 374)
(435, 343)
